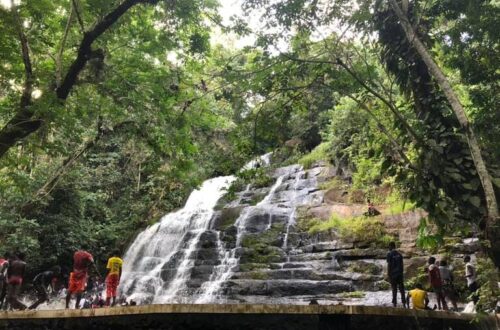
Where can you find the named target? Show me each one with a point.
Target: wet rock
(328, 246)
(207, 254)
(226, 217)
(414, 266)
(280, 288)
(258, 221)
(228, 237)
(356, 254)
(208, 239)
(293, 265)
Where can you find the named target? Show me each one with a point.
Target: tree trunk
(475, 150)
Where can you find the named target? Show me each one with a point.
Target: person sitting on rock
(419, 298)
(372, 211)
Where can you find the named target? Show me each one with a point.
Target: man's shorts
(112, 281)
(77, 282)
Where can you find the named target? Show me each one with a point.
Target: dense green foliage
(89, 157)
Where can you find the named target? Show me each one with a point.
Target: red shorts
(112, 281)
(15, 280)
(77, 282)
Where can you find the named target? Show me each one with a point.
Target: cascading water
(168, 245)
(210, 290)
(160, 263)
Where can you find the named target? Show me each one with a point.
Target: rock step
(281, 288)
(304, 274)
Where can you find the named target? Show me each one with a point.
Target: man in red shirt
(82, 260)
(437, 283)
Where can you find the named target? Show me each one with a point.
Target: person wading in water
(15, 275)
(115, 264)
(82, 260)
(42, 281)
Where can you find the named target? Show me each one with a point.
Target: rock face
(257, 245)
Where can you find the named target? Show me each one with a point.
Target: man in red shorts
(82, 260)
(115, 264)
(15, 275)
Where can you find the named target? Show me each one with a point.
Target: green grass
(401, 207)
(358, 229)
(317, 154)
(335, 183)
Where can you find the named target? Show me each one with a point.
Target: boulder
(208, 239)
(226, 217)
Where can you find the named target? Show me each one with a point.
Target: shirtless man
(82, 260)
(4, 264)
(15, 274)
(41, 282)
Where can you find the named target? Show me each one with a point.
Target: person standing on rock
(470, 275)
(82, 260)
(15, 275)
(115, 264)
(448, 286)
(437, 283)
(395, 274)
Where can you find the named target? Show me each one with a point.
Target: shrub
(317, 154)
(358, 229)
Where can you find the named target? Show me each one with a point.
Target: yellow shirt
(418, 298)
(114, 265)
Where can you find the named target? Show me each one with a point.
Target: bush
(488, 279)
(358, 229)
(317, 154)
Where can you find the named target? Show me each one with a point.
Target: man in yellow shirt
(419, 298)
(115, 264)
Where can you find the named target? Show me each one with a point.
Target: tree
(492, 218)
(29, 116)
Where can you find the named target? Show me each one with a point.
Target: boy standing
(115, 264)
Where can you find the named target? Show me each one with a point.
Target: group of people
(13, 267)
(441, 280)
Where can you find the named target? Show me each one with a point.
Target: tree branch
(85, 48)
(384, 130)
(61, 47)
(78, 16)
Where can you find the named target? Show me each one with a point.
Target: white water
(156, 246)
(159, 264)
(210, 290)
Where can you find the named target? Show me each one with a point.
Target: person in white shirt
(470, 275)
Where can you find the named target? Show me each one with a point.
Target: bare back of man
(15, 275)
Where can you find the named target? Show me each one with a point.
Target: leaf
(476, 201)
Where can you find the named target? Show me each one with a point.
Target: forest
(112, 112)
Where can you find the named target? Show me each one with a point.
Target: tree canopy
(111, 112)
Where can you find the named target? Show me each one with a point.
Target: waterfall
(168, 245)
(223, 272)
(159, 265)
